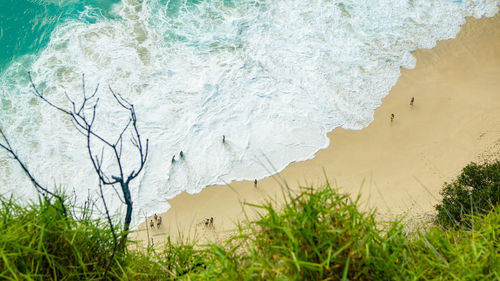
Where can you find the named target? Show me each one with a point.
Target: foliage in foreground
(39, 242)
(460, 253)
(317, 235)
(320, 236)
(475, 191)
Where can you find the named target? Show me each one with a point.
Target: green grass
(318, 235)
(38, 242)
(459, 254)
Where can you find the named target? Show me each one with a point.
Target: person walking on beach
(212, 221)
(156, 217)
(223, 139)
(152, 224)
(412, 100)
(255, 183)
(392, 117)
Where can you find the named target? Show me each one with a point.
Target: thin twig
(42, 190)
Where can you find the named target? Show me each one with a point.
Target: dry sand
(399, 166)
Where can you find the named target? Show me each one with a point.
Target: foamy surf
(274, 77)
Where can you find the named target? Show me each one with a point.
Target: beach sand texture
(398, 166)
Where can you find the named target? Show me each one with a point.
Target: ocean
(272, 76)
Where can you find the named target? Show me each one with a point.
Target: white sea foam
(274, 77)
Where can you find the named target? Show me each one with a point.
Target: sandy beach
(398, 167)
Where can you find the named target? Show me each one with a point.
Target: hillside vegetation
(318, 235)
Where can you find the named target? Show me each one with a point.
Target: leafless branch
(39, 188)
(84, 124)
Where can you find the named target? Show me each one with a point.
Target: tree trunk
(128, 215)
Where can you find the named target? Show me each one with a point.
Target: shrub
(475, 191)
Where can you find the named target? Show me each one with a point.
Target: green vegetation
(318, 235)
(475, 191)
(39, 242)
(458, 254)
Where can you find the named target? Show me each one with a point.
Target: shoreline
(399, 166)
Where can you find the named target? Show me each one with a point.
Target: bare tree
(83, 116)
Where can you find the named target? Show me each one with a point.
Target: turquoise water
(26, 25)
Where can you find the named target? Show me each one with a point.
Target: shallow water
(274, 77)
